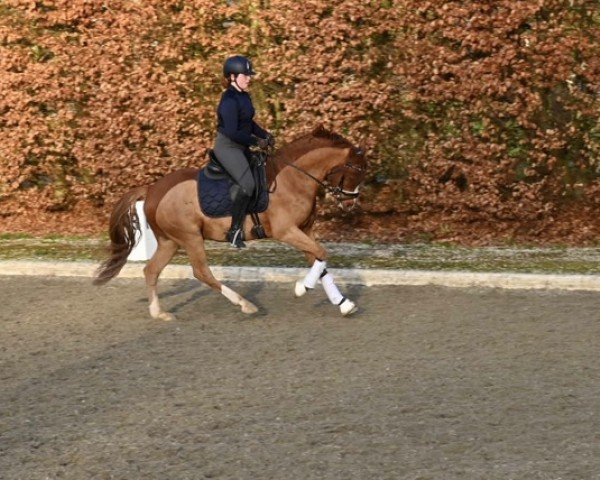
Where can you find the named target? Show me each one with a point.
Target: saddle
(215, 184)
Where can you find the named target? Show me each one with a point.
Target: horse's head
(335, 163)
(346, 177)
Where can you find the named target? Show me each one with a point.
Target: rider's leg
(235, 235)
(233, 159)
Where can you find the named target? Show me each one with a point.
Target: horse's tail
(124, 223)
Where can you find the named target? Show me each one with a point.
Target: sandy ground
(423, 383)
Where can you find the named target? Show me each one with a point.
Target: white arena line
(368, 277)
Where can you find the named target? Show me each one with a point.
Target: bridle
(338, 192)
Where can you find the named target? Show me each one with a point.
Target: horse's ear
(318, 130)
(361, 149)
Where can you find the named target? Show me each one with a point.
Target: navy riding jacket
(236, 118)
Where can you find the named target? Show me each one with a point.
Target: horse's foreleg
(165, 251)
(318, 271)
(315, 254)
(310, 279)
(305, 241)
(316, 268)
(335, 297)
(196, 252)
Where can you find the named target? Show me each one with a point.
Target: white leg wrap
(331, 289)
(347, 307)
(312, 277)
(299, 288)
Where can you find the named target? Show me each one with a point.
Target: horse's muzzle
(349, 199)
(349, 204)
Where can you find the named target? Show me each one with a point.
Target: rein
(338, 192)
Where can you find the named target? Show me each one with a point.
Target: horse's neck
(318, 162)
(294, 186)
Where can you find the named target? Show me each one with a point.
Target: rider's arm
(258, 130)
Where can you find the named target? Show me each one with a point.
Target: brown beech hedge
(480, 118)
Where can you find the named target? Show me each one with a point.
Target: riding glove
(262, 143)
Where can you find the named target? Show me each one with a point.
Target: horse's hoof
(299, 289)
(249, 307)
(165, 316)
(348, 307)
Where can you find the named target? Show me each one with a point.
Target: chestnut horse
(295, 173)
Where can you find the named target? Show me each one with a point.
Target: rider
(236, 133)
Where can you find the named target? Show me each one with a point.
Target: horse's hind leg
(194, 247)
(165, 251)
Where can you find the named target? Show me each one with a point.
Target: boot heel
(236, 238)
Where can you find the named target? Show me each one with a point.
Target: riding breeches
(231, 156)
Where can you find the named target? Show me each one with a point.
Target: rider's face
(243, 81)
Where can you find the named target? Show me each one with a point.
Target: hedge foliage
(473, 113)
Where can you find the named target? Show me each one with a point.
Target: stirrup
(259, 231)
(236, 238)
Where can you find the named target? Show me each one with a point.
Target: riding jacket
(235, 115)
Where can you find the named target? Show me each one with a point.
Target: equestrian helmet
(236, 65)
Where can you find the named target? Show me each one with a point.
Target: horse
(295, 172)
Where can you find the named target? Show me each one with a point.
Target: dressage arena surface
(423, 383)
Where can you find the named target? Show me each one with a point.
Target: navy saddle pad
(215, 201)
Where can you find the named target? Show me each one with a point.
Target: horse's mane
(317, 138)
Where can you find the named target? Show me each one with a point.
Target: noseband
(338, 191)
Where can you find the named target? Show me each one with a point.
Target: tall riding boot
(235, 235)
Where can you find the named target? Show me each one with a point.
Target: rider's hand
(262, 143)
(271, 140)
